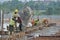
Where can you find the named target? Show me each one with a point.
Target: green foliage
(51, 8)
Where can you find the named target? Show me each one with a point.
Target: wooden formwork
(21, 34)
(47, 38)
(16, 35)
(31, 29)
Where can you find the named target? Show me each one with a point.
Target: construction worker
(45, 21)
(15, 15)
(11, 25)
(36, 21)
(32, 22)
(20, 23)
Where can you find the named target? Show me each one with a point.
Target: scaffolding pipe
(1, 22)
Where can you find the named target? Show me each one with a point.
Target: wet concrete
(49, 31)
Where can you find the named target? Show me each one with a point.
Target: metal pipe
(1, 22)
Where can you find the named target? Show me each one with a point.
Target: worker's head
(15, 13)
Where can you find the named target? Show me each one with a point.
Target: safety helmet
(44, 19)
(16, 10)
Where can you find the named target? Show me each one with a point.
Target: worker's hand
(17, 18)
(14, 26)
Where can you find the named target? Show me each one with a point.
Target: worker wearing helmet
(20, 23)
(32, 22)
(45, 21)
(36, 21)
(15, 14)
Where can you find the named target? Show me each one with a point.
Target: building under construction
(39, 30)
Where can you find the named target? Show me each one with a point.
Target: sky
(27, 0)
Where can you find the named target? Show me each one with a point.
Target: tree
(49, 11)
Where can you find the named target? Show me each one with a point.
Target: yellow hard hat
(16, 10)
